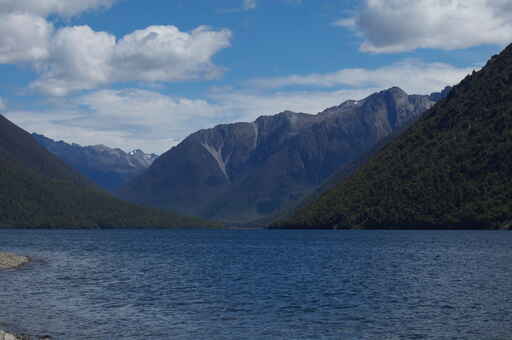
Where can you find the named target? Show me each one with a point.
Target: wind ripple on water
(198, 284)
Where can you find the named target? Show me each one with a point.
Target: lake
(242, 284)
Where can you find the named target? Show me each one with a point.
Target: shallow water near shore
(242, 284)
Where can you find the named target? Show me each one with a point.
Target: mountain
(248, 171)
(39, 190)
(452, 168)
(109, 168)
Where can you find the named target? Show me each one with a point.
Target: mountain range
(245, 172)
(39, 190)
(390, 160)
(107, 167)
(450, 169)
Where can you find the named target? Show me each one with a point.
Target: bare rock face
(108, 167)
(248, 171)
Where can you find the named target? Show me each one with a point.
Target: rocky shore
(8, 336)
(10, 261)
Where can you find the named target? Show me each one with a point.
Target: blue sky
(145, 74)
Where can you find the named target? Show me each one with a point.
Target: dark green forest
(452, 168)
(39, 190)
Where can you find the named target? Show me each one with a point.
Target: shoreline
(7, 336)
(393, 228)
(10, 336)
(12, 261)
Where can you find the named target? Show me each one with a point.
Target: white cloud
(78, 58)
(128, 119)
(411, 75)
(135, 118)
(3, 104)
(65, 8)
(23, 38)
(389, 26)
(141, 107)
(164, 53)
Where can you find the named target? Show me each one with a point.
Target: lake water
(221, 284)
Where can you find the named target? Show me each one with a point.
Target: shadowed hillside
(39, 190)
(109, 168)
(245, 172)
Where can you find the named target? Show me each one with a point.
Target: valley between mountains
(243, 173)
(249, 173)
(388, 160)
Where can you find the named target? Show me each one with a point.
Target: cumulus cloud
(23, 38)
(164, 53)
(389, 26)
(413, 76)
(78, 58)
(65, 8)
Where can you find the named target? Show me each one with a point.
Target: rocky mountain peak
(107, 167)
(246, 171)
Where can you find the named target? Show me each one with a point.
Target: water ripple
(204, 284)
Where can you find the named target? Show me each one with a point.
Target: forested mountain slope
(452, 168)
(39, 190)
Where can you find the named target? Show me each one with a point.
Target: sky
(145, 74)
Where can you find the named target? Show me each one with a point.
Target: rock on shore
(9, 261)
(7, 336)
